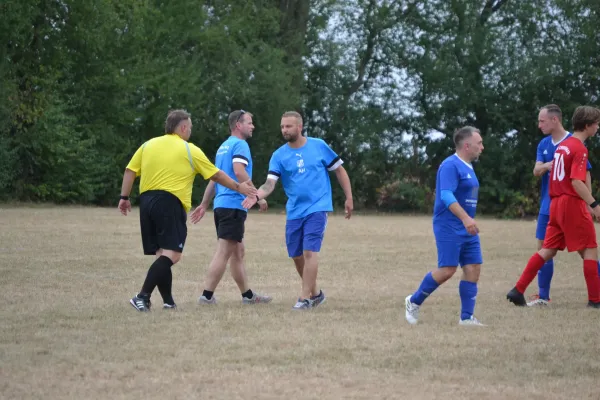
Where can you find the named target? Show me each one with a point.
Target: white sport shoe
(535, 300)
(471, 321)
(257, 298)
(204, 300)
(412, 311)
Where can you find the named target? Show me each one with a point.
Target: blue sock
(598, 268)
(428, 285)
(468, 294)
(544, 279)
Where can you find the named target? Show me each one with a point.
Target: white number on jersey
(558, 167)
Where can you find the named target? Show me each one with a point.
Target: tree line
(384, 82)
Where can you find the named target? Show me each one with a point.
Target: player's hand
(124, 206)
(197, 214)
(471, 226)
(549, 165)
(348, 208)
(263, 205)
(249, 202)
(247, 188)
(596, 213)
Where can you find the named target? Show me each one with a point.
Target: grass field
(68, 332)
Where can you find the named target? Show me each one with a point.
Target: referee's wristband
(124, 197)
(594, 204)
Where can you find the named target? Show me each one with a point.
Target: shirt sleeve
(330, 158)
(448, 177)
(202, 164)
(589, 165)
(135, 164)
(579, 165)
(241, 153)
(540, 153)
(274, 167)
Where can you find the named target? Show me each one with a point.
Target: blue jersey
(545, 153)
(458, 177)
(233, 150)
(304, 175)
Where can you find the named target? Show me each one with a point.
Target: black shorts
(163, 222)
(230, 223)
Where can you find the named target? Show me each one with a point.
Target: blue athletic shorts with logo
(460, 250)
(305, 233)
(542, 223)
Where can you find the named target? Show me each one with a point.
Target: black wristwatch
(257, 198)
(594, 204)
(124, 197)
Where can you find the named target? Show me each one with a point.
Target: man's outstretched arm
(263, 192)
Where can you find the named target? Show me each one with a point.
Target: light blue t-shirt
(459, 177)
(304, 176)
(545, 153)
(233, 150)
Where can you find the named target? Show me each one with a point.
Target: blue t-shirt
(545, 153)
(233, 150)
(459, 177)
(304, 175)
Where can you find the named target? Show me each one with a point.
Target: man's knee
(172, 255)
(471, 272)
(547, 254)
(589, 254)
(442, 274)
(226, 247)
(239, 252)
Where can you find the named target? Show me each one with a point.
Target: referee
(168, 165)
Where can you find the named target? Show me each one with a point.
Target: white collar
(466, 163)
(564, 137)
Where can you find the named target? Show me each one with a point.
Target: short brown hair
(174, 118)
(584, 116)
(235, 117)
(554, 110)
(463, 133)
(292, 114)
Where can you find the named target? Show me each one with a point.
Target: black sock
(164, 287)
(208, 294)
(248, 294)
(156, 273)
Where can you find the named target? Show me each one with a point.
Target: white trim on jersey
(336, 165)
(239, 160)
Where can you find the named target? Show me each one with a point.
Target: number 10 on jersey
(559, 167)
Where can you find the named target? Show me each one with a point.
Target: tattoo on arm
(268, 187)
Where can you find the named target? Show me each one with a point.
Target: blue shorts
(305, 233)
(458, 251)
(542, 223)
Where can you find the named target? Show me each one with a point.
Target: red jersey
(570, 162)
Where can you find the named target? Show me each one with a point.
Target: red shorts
(570, 225)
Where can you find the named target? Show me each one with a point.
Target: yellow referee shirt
(170, 163)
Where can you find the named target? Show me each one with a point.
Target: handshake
(248, 189)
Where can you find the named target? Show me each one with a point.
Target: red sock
(536, 262)
(590, 271)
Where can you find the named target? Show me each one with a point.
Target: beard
(291, 138)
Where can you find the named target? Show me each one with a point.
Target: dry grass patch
(68, 331)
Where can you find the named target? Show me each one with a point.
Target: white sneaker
(536, 301)
(412, 311)
(257, 298)
(471, 321)
(204, 300)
